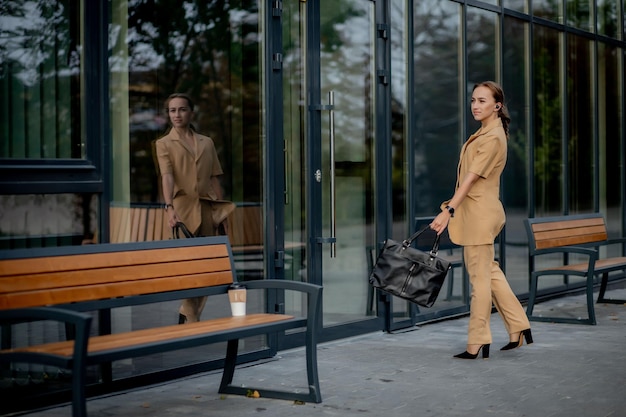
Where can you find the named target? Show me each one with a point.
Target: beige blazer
(192, 171)
(480, 217)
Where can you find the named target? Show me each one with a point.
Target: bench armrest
(314, 295)
(616, 241)
(81, 322)
(21, 315)
(284, 284)
(592, 253)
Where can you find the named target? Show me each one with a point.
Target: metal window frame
(56, 176)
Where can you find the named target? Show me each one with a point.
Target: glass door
(329, 127)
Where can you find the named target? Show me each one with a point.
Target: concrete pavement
(571, 370)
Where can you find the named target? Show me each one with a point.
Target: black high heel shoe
(524, 334)
(467, 355)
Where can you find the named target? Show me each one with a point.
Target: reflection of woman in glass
(190, 172)
(476, 216)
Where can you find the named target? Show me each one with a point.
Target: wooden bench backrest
(245, 226)
(552, 232)
(149, 223)
(138, 224)
(95, 272)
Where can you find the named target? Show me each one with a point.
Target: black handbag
(179, 228)
(409, 273)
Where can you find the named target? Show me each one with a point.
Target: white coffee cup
(237, 298)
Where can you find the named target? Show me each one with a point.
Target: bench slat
(43, 265)
(115, 219)
(157, 227)
(80, 278)
(123, 233)
(147, 336)
(601, 266)
(568, 232)
(140, 224)
(567, 223)
(543, 242)
(109, 290)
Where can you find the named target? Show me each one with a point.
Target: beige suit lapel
(462, 157)
(472, 138)
(176, 137)
(200, 145)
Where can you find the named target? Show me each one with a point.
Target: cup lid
(236, 286)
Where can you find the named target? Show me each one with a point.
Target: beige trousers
(192, 308)
(490, 285)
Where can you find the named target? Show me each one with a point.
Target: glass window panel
(608, 18)
(549, 9)
(401, 174)
(580, 14)
(547, 110)
(610, 129)
(209, 50)
(517, 5)
(399, 88)
(438, 129)
(515, 80)
(347, 58)
(47, 220)
(41, 79)
(580, 119)
(482, 35)
(294, 131)
(437, 89)
(212, 51)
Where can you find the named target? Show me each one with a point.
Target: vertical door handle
(331, 135)
(318, 175)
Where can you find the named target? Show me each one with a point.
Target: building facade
(338, 121)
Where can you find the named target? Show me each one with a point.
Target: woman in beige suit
(475, 216)
(190, 172)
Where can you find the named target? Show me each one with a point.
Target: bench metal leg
(313, 394)
(79, 368)
(590, 307)
(311, 368)
(229, 364)
(603, 284)
(532, 296)
(79, 402)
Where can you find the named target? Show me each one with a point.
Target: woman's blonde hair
(178, 95)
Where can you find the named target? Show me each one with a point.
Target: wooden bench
(64, 283)
(138, 223)
(574, 234)
(145, 222)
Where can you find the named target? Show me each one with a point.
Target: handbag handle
(180, 226)
(407, 242)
